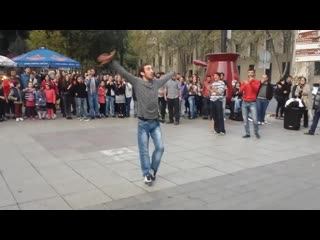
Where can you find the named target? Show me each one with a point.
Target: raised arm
(164, 79)
(128, 76)
(108, 59)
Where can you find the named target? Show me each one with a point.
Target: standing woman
(303, 91)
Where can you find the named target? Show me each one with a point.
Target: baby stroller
(293, 111)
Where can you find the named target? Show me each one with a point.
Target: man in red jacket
(250, 88)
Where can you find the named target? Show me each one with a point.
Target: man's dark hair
(141, 69)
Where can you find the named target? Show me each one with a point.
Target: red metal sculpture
(222, 62)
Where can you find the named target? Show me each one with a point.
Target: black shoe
(69, 118)
(169, 122)
(257, 135)
(308, 133)
(92, 118)
(246, 136)
(153, 175)
(98, 116)
(205, 118)
(1, 120)
(162, 120)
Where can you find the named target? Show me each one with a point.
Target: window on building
(253, 50)
(269, 45)
(154, 61)
(160, 61)
(316, 68)
(141, 62)
(237, 48)
(239, 68)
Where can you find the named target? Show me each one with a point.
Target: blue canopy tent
(44, 58)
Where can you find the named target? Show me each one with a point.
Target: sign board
(307, 46)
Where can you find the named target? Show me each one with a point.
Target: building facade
(249, 59)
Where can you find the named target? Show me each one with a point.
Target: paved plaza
(68, 164)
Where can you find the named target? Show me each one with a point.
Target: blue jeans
(145, 130)
(237, 104)
(315, 121)
(110, 106)
(192, 105)
(224, 102)
(93, 104)
(246, 108)
(81, 107)
(128, 102)
(262, 105)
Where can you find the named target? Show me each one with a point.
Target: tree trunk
(289, 44)
(274, 51)
(121, 56)
(182, 61)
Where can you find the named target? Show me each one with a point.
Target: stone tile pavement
(95, 165)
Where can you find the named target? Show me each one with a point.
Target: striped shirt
(219, 85)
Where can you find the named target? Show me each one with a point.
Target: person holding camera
(250, 88)
(303, 92)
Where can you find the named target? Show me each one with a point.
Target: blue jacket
(24, 80)
(184, 92)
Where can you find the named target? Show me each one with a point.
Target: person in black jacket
(66, 90)
(280, 93)
(80, 93)
(236, 102)
(2, 103)
(265, 94)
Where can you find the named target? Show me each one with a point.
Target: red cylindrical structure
(226, 63)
